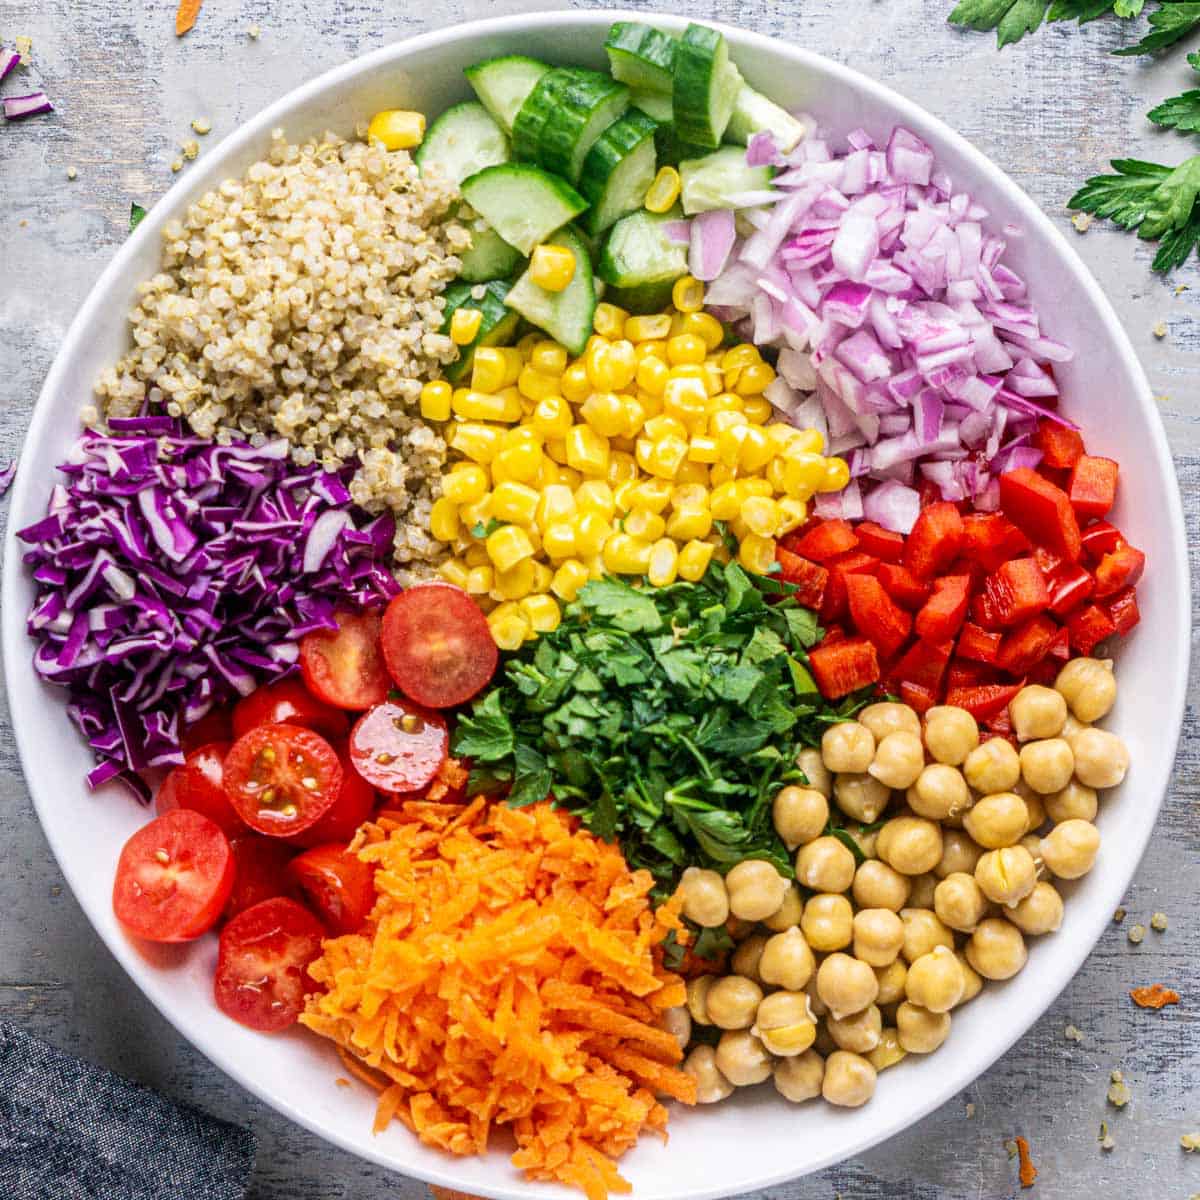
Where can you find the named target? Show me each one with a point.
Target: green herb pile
(666, 718)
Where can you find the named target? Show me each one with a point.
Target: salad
(605, 597)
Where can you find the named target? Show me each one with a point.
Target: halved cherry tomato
(173, 877)
(200, 785)
(281, 779)
(437, 645)
(399, 747)
(215, 726)
(287, 701)
(345, 668)
(355, 803)
(338, 886)
(261, 872)
(262, 964)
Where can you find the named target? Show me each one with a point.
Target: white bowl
(757, 1139)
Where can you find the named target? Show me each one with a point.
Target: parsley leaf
(1180, 112)
(486, 734)
(1171, 22)
(480, 530)
(1013, 19)
(136, 215)
(628, 608)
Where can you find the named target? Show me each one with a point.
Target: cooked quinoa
(304, 300)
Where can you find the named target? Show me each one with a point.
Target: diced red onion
(8, 60)
(893, 505)
(28, 105)
(712, 238)
(761, 151)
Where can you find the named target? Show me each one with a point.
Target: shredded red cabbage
(26, 106)
(7, 475)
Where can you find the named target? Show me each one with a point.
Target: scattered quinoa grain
(970, 1110)
(177, 165)
(1105, 1138)
(190, 149)
(254, 31)
(1119, 915)
(1082, 222)
(1190, 1142)
(1158, 922)
(1180, 288)
(23, 45)
(1136, 933)
(1160, 330)
(201, 125)
(72, 173)
(1072, 1034)
(1119, 1094)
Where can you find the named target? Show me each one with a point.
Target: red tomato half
(281, 778)
(214, 726)
(346, 668)
(287, 700)
(261, 872)
(399, 747)
(173, 878)
(200, 785)
(437, 645)
(354, 804)
(262, 964)
(338, 886)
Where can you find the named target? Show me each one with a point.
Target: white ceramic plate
(755, 1140)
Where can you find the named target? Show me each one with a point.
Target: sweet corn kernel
(525, 346)
(556, 449)
(758, 410)
(761, 515)
(782, 436)
(792, 513)
(594, 340)
(465, 325)
(655, 348)
(688, 294)
(609, 320)
(662, 457)
(689, 495)
(487, 370)
(706, 327)
(664, 426)
(837, 475)
(744, 354)
(455, 571)
(620, 442)
(694, 559)
(803, 473)
(542, 575)
(595, 496)
(755, 485)
(552, 267)
(685, 397)
(509, 626)
(435, 400)
(514, 583)
(634, 414)
(611, 367)
(488, 406)
(548, 357)
(595, 566)
(811, 441)
(649, 495)
(664, 190)
(556, 503)
(515, 502)
(723, 420)
(591, 532)
(644, 524)
(725, 500)
(397, 128)
(647, 328)
(552, 417)
(480, 443)
(728, 402)
(757, 554)
(626, 555)
(692, 472)
(574, 383)
(547, 474)
(587, 450)
(686, 348)
(745, 447)
(703, 449)
(714, 378)
(465, 483)
(653, 375)
(754, 378)
(568, 579)
(537, 385)
(687, 523)
(443, 519)
(605, 413)
(569, 477)
(521, 462)
(720, 473)
(622, 467)
(481, 580)
(558, 539)
(509, 545)
(476, 555)
(542, 612)
(664, 563)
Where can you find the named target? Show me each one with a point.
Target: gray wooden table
(1050, 111)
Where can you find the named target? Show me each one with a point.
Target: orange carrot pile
(507, 977)
(1157, 995)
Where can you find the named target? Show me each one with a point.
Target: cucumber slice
(637, 252)
(463, 140)
(654, 104)
(576, 117)
(618, 170)
(706, 84)
(504, 83)
(489, 256)
(539, 104)
(641, 56)
(497, 327)
(566, 316)
(708, 182)
(644, 298)
(522, 203)
(752, 112)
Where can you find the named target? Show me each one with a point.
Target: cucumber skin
(642, 224)
(527, 127)
(497, 325)
(697, 174)
(489, 257)
(476, 77)
(577, 105)
(702, 70)
(753, 113)
(649, 52)
(510, 175)
(582, 287)
(612, 150)
(642, 298)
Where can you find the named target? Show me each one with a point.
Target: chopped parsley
(136, 214)
(1013, 19)
(1180, 112)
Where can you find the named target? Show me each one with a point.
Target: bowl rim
(1064, 966)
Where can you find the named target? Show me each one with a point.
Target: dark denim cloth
(70, 1131)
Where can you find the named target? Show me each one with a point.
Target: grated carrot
(185, 15)
(1157, 995)
(509, 976)
(1027, 1172)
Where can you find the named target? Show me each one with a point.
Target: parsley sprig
(1013, 19)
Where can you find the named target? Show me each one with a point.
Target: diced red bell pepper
(1088, 627)
(935, 540)
(1045, 672)
(844, 666)
(1048, 562)
(1123, 610)
(833, 607)
(1119, 568)
(1000, 723)
(1100, 538)
(1061, 447)
(883, 543)
(1041, 511)
(963, 673)
(903, 586)
(876, 615)
(1060, 647)
(983, 611)
(923, 663)
(1093, 486)
(991, 539)
(919, 698)
(943, 613)
(1069, 588)
(1016, 592)
(985, 701)
(979, 644)
(1026, 646)
(826, 541)
(809, 578)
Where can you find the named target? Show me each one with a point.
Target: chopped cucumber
(579, 113)
(527, 126)
(641, 56)
(706, 84)
(655, 105)
(522, 203)
(638, 254)
(463, 140)
(618, 170)
(709, 182)
(644, 298)
(566, 316)
(503, 84)
(498, 325)
(752, 112)
(489, 256)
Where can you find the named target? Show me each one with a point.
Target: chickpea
(846, 985)
(828, 922)
(1006, 876)
(789, 911)
(910, 845)
(1033, 844)
(786, 961)
(801, 814)
(816, 1005)
(738, 929)
(819, 777)
(950, 734)
(959, 902)
(892, 979)
(1040, 912)
(711, 1085)
(1037, 712)
(920, 1031)
(825, 865)
(847, 746)
(824, 1045)
(747, 955)
(1047, 765)
(849, 1080)
(1069, 850)
(858, 1032)
(705, 899)
(939, 792)
(732, 1002)
(996, 949)
(889, 1051)
(1101, 758)
(1075, 802)
(785, 1024)
(959, 854)
(1072, 727)
(935, 980)
(866, 839)
(973, 981)
(756, 889)
(923, 888)
(798, 1079)
(876, 885)
(697, 998)
(998, 820)
(1089, 686)
(993, 767)
(899, 759)
(861, 797)
(742, 1058)
(878, 936)
(678, 1023)
(1036, 807)
(923, 930)
(888, 717)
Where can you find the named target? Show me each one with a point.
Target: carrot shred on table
(1157, 995)
(1026, 1172)
(510, 975)
(185, 15)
